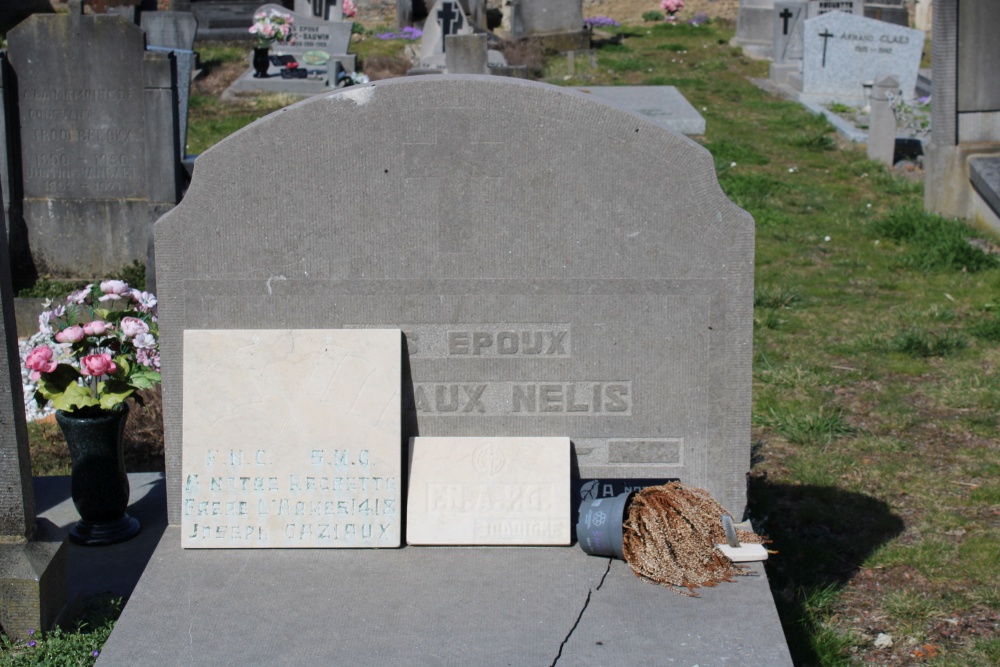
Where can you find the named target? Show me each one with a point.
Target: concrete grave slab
(663, 105)
(788, 24)
(843, 51)
(755, 27)
(291, 439)
(489, 491)
(431, 606)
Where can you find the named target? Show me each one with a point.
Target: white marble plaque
(291, 439)
(488, 491)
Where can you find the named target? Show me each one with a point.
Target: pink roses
(40, 361)
(97, 364)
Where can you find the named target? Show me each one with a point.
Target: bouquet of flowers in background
(349, 9)
(272, 26)
(97, 350)
(671, 7)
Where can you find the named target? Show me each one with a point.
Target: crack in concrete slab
(586, 603)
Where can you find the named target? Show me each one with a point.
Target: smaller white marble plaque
(291, 439)
(489, 491)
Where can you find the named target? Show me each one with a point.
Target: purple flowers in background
(600, 21)
(699, 18)
(409, 32)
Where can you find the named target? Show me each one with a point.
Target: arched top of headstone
(455, 177)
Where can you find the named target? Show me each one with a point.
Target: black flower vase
(99, 487)
(261, 61)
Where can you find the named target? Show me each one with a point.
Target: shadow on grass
(822, 535)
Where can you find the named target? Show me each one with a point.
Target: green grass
(78, 646)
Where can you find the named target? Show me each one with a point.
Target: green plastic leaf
(74, 397)
(113, 392)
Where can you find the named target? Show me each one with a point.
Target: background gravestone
(844, 51)
(755, 26)
(325, 10)
(175, 31)
(556, 24)
(789, 18)
(966, 108)
(96, 122)
(446, 18)
(531, 302)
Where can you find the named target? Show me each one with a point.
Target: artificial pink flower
(114, 290)
(146, 359)
(96, 328)
(349, 9)
(39, 360)
(133, 326)
(671, 6)
(97, 364)
(73, 334)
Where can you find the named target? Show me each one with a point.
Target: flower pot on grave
(99, 484)
(599, 526)
(261, 61)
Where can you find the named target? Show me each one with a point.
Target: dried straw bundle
(670, 536)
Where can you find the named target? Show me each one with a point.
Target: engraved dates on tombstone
(82, 136)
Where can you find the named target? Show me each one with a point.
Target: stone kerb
(532, 302)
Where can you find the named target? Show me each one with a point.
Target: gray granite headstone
(788, 20)
(546, 283)
(978, 57)
(755, 26)
(99, 154)
(466, 54)
(843, 51)
(175, 31)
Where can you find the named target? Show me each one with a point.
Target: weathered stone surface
(98, 157)
(755, 26)
(325, 10)
(558, 266)
(291, 439)
(843, 51)
(466, 54)
(488, 491)
(540, 17)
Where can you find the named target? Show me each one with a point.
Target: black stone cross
(826, 35)
(785, 15)
(450, 20)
